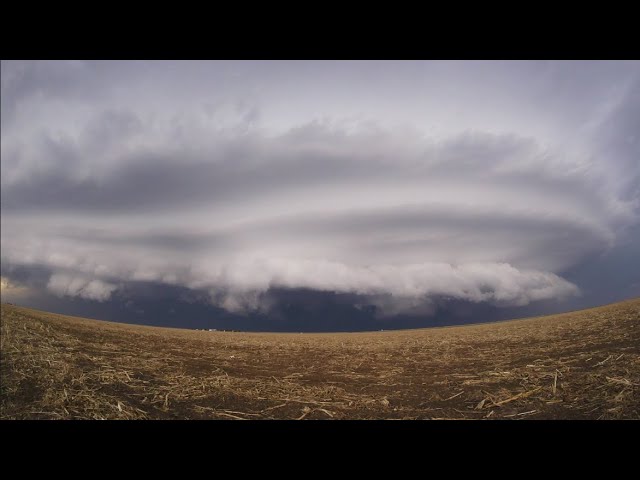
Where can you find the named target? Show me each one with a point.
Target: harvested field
(578, 365)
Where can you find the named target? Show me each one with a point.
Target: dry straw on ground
(577, 365)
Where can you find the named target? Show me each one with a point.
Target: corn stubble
(578, 365)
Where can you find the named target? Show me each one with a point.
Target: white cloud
(500, 284)
(215, 194)
(78, 286)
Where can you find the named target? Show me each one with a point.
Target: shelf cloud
(475, 181)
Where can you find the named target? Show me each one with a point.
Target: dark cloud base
(294, 310)
(304, 310)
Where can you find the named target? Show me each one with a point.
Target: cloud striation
(110, 176)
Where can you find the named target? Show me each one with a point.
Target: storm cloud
(401, 183)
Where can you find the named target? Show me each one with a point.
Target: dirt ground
(578, 365)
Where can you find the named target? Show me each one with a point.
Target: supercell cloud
(398, 182)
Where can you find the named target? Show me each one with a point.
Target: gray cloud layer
(403, 187)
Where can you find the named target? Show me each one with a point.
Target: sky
(319, 195)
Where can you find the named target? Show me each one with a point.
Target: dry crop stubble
(577, 365)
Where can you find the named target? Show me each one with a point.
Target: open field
(578, 365)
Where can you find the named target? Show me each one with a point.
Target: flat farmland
(577, 365)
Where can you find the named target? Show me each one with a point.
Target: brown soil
(578, 365)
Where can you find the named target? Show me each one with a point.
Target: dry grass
(580, 365)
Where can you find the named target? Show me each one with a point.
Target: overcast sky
(399, 188)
